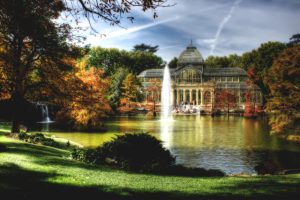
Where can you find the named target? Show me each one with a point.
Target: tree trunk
(17, 102)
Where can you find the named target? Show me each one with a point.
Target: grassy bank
(28, 170)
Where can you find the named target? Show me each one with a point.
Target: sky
(216, 27)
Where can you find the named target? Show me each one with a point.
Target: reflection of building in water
(195, 86)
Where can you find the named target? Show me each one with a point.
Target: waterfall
(45, 113)
(166, 95)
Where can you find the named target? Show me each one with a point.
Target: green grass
(28, 170)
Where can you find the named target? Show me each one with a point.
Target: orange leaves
(130, 93)
(88, 103)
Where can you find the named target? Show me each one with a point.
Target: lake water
(232, 144)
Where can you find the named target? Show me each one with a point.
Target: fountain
(166, 95)
(166, 121)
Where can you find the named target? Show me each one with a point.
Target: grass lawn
(28, 170)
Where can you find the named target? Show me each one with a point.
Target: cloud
(123, 32)
(226, 19)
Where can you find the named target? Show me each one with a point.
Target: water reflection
(232, 144)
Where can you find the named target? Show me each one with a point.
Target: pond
(232, 144)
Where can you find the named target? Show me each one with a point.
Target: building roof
(190, 55)
(230, 71)
(240, 85)
(153, 73)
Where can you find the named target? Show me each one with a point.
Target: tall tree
(173, 63)
(145, 48)
(114, 93)
(131, 91)
(32, 44)
(284, 83)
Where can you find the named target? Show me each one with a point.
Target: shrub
(86, 155)
(23, 136)
(39, 138)
(36, 138)
(138, 152)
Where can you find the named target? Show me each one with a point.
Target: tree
(226, 100)
(216, 62)
(295, 39)
(111, 11)
(108, 59)
(173, 63)
(140, 61)
(152, 93)
(234, 60)
(250, 108)
(114, 93)
(88, 103)
(284, 83)
(131, 92)
(145, 48)
(31, 44)
(260, 60)
(35, 45)
(111, 59)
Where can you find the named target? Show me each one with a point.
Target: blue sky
(219, 27)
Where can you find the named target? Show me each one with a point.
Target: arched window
(188, 76)
(207, 97)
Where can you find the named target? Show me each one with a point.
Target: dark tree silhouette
(145, 48)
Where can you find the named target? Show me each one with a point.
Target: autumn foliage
(226, 100)
(87, 104)
(131, 93)
(284, 84)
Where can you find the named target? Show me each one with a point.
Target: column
(239, 97)
(172, 97)
(197, 97)
(202, 98)
(176, 99)
(191, 95)
(184, 97)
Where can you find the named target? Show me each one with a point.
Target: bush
(39, 138)
(138, 152)
(23, 136)
(86, 155)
